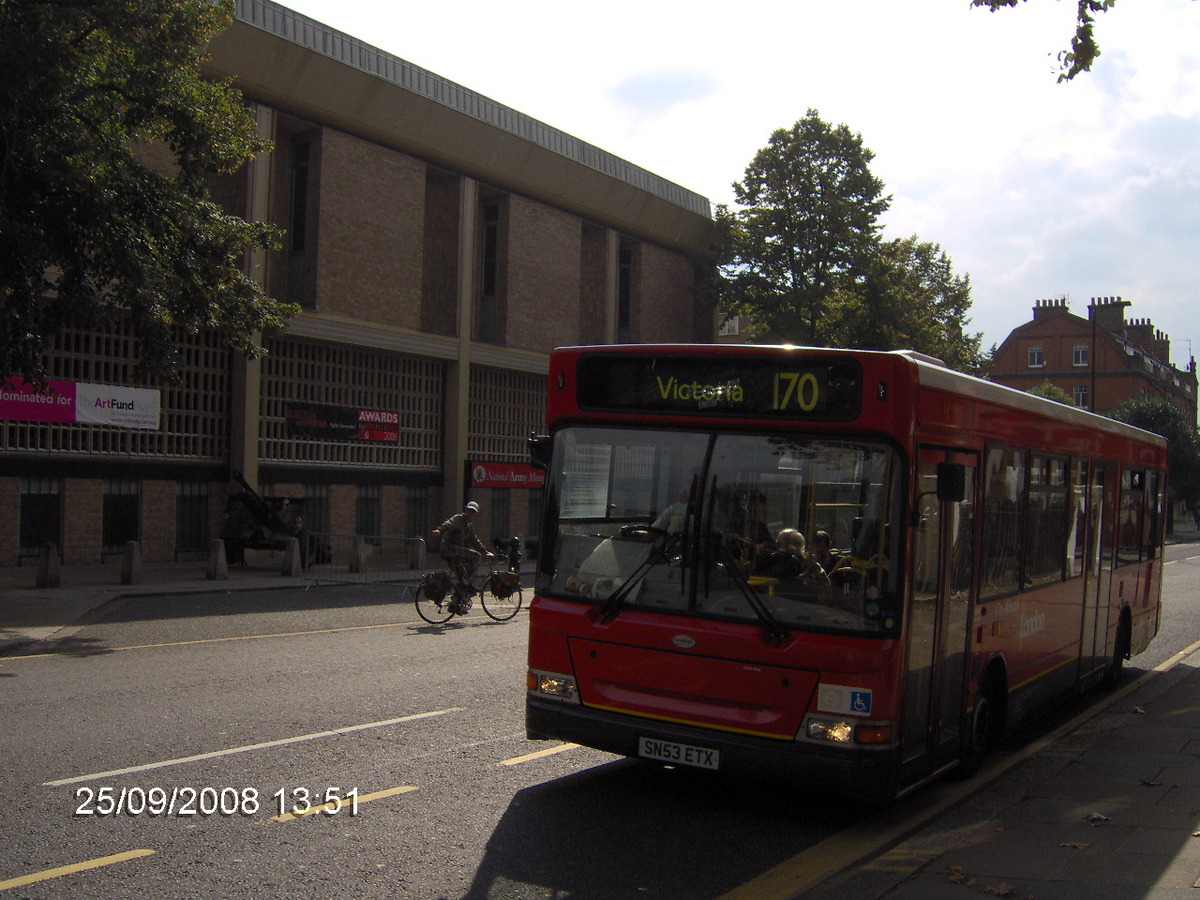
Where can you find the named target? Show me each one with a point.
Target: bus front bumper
(859, 773)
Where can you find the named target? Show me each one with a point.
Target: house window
(730, 327)
(1079, 355)
(1082, 396)
(1036, 359)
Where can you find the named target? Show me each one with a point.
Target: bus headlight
(552, 684)
(841, 731)
(837, 731)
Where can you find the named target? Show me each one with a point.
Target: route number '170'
(796, 390)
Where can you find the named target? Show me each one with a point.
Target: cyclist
(460, 547)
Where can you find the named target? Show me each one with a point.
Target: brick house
(439, 244)
(1100, 361)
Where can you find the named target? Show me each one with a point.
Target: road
(213, 721)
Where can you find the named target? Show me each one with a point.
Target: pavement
(1107, 806)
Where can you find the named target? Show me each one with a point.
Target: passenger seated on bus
(790, 562)
(824, 554)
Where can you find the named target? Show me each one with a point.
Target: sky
(1034, 189)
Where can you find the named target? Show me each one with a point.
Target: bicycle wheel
(502, 608)
(435, 612)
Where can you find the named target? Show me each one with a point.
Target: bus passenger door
(942, 579)
(1102, 501)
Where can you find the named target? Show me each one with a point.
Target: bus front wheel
(986, 721)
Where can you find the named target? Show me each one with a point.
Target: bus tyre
(984, 727)
(1116, 666)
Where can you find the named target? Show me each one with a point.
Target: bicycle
(440, 596)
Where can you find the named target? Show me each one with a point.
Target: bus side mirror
(951, 482)
(540, 448)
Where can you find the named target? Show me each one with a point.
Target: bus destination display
(825, 388)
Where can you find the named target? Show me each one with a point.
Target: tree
(803, 259)
(1162, 416)
(1084, 48)
(909, 298)
(808, 218)
(90, 233)
(1051, 392)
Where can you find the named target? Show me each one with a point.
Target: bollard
(218, 564)
(48, 575)
(131, 568)
(291, 558)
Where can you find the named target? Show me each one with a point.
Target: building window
(119, 519)
(316, 508)
(191, 516)
(366, 510)
(501, 513)
(1082, 396)
(730, 327)
(416, 511)
(1036, 359)
(40, 514)
(297, 280)
(624, 292)
(490, 326)
(1079, 355)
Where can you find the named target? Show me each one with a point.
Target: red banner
(506, 475)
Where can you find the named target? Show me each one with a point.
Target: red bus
(992, 552)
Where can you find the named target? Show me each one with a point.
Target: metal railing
(328, 558)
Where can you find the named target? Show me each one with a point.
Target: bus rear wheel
(1116, 666)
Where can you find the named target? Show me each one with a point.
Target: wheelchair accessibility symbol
(844, 700)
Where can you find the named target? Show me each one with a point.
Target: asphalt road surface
(330, 743)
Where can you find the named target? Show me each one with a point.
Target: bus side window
(1129, 526)
(1000, 563)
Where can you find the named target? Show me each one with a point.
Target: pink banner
(22, 402)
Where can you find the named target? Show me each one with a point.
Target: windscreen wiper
(777, 633)
(611, 606)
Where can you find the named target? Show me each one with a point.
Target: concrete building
(1100, 361)
(440, 246)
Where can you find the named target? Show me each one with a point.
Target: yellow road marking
(517, 760)
(222, 640)
(72, 869)
(340, 805)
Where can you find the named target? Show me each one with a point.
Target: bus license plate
(681, 754)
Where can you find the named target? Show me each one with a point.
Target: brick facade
(1100, 361)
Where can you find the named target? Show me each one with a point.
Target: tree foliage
(808, 217)
(1084, 48)
(90, 233)
(1163, 416)
(804, 260)
(1051, 392)
(909, 298)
